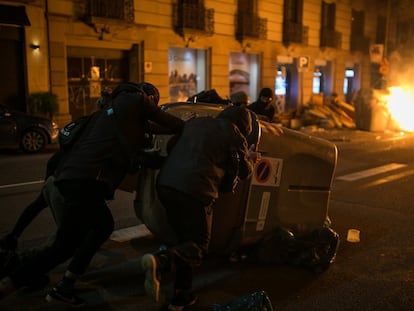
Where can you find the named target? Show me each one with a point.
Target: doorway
(91, 70)
(286, 87)
(13, 84)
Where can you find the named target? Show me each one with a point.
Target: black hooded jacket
(203, 154)
(105, 149)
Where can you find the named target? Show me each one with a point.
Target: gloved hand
(8, 242)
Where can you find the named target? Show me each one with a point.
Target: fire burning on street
(400, 104)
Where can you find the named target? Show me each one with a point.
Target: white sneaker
(152, 282)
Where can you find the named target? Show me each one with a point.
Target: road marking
(388, 179)
(371, 172)
(22, 184)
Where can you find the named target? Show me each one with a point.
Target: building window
(328, 36)
(293, 29)
(328, 15)
(357, 25)
(190, 16)
(191, 13)
(247, 7)
(381, 29)
(293, 11)
(358, 41)
(247, 21)
(113, 9)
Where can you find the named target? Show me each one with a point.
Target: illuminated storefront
(187, 73)
(243, 74)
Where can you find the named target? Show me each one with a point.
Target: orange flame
(400, 104)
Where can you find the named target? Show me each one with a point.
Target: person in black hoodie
(9, 242)
(263, 105)
(207, 158)
(94, 168)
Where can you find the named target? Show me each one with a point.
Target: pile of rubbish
(329, 112)
(325, 112)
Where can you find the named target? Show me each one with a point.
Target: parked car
(28, 132)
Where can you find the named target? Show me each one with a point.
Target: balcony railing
(330, 38)
(295, 33)
(192, 18)
(250, 26)
(359, 43)
(112, 9)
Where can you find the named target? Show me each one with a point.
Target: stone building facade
(298, 48)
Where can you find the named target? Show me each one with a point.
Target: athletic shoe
(181, 300)
(152, 279)
(65, 295)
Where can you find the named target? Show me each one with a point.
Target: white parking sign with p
(303, 63)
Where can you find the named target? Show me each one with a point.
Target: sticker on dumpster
(267, 172)
(264, 208)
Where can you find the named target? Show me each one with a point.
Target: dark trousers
(191, 220)
(85, 223)
(29, 213)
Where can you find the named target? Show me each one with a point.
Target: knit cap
(266, 92)
(239, 98)
(239, 116)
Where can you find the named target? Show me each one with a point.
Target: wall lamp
(246, 47)
(35, 46)
(189, 40)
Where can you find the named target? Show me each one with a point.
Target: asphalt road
(372, 192)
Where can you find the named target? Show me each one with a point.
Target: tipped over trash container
(290, 188)
(371, 111)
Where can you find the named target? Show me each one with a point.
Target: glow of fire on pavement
(400, 104)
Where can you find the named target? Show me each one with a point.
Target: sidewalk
(353, 135)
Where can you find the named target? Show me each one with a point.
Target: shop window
(317, 83)
(88, 75)
(187, 76)
(281, 81)
(110, 70)
(243, 69)
(286, 84)
(348, 83)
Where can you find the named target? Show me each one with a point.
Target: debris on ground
(329, 112)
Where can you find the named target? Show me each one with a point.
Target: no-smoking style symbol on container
(263, 171)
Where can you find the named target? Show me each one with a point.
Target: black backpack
(256, 301)
(208, 96)
(315, 250)
(71, 132)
